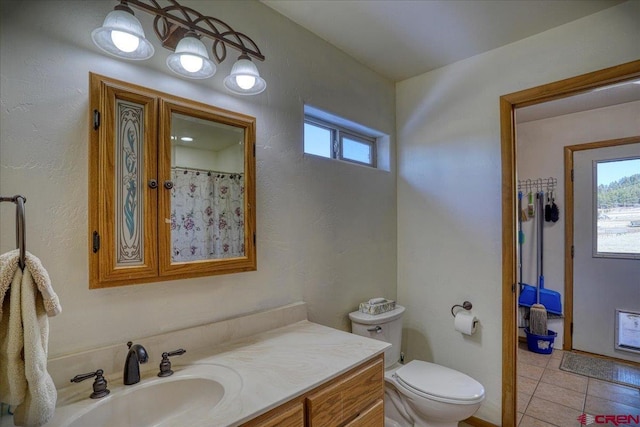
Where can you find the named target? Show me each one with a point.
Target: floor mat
(602, 369)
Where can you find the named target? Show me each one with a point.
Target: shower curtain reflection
(207, 215)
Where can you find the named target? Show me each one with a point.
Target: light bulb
(244, 78)
(191, 63)
(245, 82)
(124, 41)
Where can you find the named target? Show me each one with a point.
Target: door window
(617, 208)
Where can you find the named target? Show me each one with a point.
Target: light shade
(245, 78)
(190, 59)
(122, 35)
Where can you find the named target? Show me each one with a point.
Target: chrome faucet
(137, 354)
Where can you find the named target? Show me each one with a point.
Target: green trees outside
(624, 192)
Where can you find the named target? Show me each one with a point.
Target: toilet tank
(385, 327)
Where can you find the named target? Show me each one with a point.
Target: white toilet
(419, 394)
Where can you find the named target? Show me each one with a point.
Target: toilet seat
(439, 383)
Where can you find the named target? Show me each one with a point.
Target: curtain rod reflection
(220, 174)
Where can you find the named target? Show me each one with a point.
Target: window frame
(338, 133)
(596, 253)
(324, 125)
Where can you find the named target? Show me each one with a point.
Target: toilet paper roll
(465, 323)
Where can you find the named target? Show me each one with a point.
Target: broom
(538, 312)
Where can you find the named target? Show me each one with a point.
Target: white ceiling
(206, 134)
(401, 39)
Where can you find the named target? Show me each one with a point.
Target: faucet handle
(165, 364)
(178, 352)
(99, 385)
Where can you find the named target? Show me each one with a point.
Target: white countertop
(274, 366)
(281, 364)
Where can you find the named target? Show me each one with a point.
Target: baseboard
(477, 422)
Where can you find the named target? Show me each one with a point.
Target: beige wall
(449, 184)
(326, 231)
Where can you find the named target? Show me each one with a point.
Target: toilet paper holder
(465, 305)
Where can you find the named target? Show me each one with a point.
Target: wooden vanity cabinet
(354, 399)
(372, 416)
(290, 414)
(345, 400)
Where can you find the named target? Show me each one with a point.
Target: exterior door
(606, 263)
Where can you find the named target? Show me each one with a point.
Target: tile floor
(548, 396)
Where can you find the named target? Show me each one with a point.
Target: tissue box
(377, 308)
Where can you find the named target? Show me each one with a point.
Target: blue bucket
(540, 343)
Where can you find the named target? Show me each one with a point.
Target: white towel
(13, 383)
(24, 333)
(8, 267)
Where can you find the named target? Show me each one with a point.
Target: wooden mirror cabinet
(172, 187)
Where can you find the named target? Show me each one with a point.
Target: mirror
(181, 176)
(207, 198)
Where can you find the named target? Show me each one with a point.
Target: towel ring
(21, 229)
(20, 225)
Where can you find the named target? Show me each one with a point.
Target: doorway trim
(568, 228)
(508, 104)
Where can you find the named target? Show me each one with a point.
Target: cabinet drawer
(345, 399)
(284, 416)
(371, 417)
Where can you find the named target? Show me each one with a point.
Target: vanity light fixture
(122, 35)
(182, 29)
(191, 59)
(245, 78)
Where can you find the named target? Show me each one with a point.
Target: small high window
(318, 140)
(335, 139)
(357, 149)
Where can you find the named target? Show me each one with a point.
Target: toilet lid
(439, 382)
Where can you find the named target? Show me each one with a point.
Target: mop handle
(520, 233)
(541, 242)
(538, 257)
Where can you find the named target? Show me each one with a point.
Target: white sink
(193, 395)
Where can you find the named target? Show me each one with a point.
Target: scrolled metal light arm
(174, 20)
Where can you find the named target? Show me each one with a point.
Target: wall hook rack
(536, 185)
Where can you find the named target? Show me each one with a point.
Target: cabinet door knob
(168, 185)
(153, 184)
